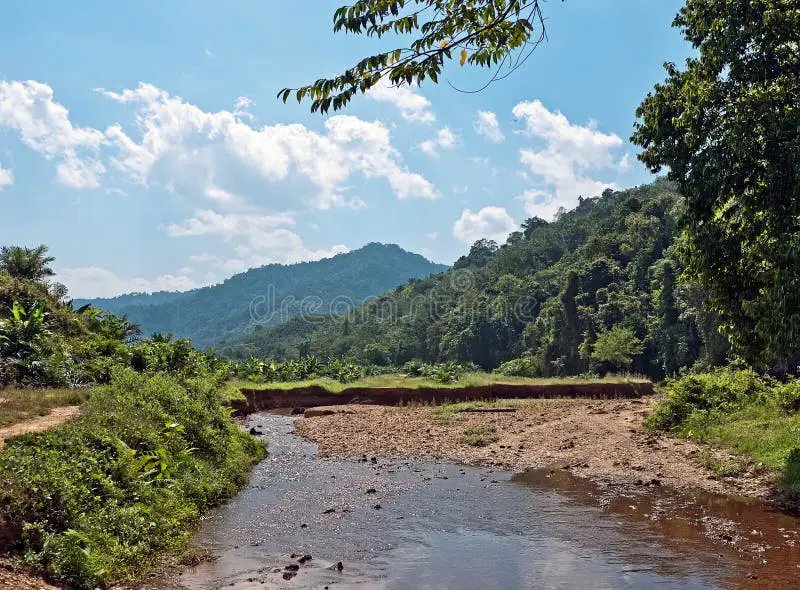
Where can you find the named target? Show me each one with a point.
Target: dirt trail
(594, 438)
(56, 417)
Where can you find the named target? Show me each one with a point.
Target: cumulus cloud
(445, 140)
(44, 125)
(259, 239)
(6, 177)
(182, 144)
(565, 168)
(486, 124)
(94, 281)
(493, 223)
(412, 106)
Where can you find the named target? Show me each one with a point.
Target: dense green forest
(212, 315)
(595, 290)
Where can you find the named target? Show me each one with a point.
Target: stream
(410, 524)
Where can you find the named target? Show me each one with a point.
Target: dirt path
(592, 438)
(54, 418)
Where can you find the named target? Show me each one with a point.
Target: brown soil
(592, 438)
(56, 417)
(12, 579)
(315, 395)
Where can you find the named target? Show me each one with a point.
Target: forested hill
(212, 315)
(594, 290)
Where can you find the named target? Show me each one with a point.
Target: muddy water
(421, 524)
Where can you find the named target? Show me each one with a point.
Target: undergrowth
(95, 501)
(741, 411)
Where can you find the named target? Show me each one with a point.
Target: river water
(412, 524)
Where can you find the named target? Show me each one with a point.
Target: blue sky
(143, 142)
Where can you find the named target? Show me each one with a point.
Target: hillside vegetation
(596, 290)
(270, 294)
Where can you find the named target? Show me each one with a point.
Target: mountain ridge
(213, 314)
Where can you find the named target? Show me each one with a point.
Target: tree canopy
(727, 126)
(32, 264)
(498, 34)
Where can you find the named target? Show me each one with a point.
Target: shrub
(789, 486)
(697, 396)
(522, 367)
(788, 395)
(95, 500)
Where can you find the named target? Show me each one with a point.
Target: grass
(480, 436)
(17, 405)
(96, 501)
(396, 380)
(763, 432)
(448, 413)
(742, 412)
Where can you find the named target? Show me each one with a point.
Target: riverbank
(419, 522)
(592, 438)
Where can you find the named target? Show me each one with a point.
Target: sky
(144, 144)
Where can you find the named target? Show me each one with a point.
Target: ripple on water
(409, 524)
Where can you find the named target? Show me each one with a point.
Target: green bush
(788, 395)
(522, 367)
(790, 479)
(96, 500)
(696, 397)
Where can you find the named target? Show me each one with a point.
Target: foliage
(545, 295)
(484, 33)
(23, 340)
(617, 347)
(693, 397)
(522, 367)
(263, 297)
(727, 127)
(741, 411)
(31, 264)
(93, 501)
(305, 368)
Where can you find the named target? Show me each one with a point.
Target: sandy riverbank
(593, 438)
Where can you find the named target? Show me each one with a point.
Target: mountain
(596, 290)
(268, 295)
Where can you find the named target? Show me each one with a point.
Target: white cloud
(625, 162)
(6, 177)
(93, 281)
(185, 145)
(209, 53)
(486, 124)
(44, 125)
(565, 168)
(116, 191)
(412, 106)
(209, 222)
(493, 223)
(445, 139)
(261, 239)
(432, 236)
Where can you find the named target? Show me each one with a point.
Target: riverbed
(307, 521)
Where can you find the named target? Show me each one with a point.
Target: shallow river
(404, 524)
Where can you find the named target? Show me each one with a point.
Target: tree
(728, 128)
(484, 33)
(26, 263)
(617, 347)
